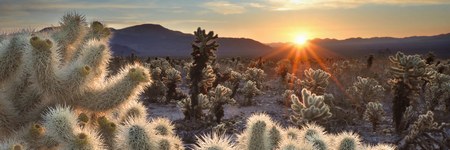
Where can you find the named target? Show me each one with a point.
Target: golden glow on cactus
(17, 147)
(85, 70)
(37, 43)
(83, 118)
(81, 139)
(37, 130)
(137, 74)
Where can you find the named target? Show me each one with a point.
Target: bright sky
(262, 20)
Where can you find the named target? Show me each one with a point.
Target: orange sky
(262, 20)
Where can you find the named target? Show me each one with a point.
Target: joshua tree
(201, 73)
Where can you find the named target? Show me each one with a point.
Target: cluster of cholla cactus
(374, 113)
(264, 134)
(283, 68)
(232, 81)
(249, 90)
(363, 91)
(55, 93)
(409, 72)
(437, 93)
(312, 108)
(165, 81)
(256, 75)
(316, 81)
(216, 100)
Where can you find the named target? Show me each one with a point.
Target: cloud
(224, 7)
(286, 5)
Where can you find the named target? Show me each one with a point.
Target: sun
(301, 39)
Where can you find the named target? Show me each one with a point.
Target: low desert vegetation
(64, 89)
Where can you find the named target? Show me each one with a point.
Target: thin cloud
(286, 5)
(224, 7)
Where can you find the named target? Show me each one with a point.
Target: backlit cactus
(214, 141)
(201, 74)
(311, 108)
(374, 113)
(316, 81)
(57, 80)
(250, 90)
(256, 75)
(363, 91)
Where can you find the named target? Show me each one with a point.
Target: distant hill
(156, 40)
(439, 44)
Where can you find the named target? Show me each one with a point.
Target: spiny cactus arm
(214, 141)
(51, 80)
(169, 143)
(135, 134)
(132, 109)
(108, 130)
(162, 126)
(8, 116)
(95, 54)
(121, 88)
(13, 144)
(11, 56)
(274, 136)
(71, 34)
(60, 123)
(348, 141)
(289, 144)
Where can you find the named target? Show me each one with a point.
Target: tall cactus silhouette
(203, 54)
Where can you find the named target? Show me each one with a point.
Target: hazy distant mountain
(439, 44)
(156, 40)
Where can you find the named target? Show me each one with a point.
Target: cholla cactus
(214, 141)
(217, 98)
(411, 69)
(259, 134)
(365, 90)
(172, 78)
(374, 113)
(286, 97)
(312, 108)
(233, 81)
(64, 71)
(408, 72)
(316, 81)
(201, 74)
(255, 75)
(437, 92)
(249, 90)
(283, 68)
(292, 82)
(348, 141)
(423, 123)
(289, 144)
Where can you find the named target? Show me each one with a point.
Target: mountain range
(157, 41)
